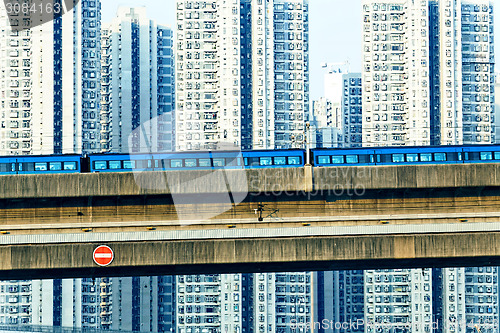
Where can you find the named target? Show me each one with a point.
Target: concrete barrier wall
(407, 177)
(254, 180)
(150, 183)
(253, 255)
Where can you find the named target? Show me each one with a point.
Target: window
(42, 166)
(294, 160)
(440, 157)
(176, 163)
(337, 159)
(219, 162)
(70, 166)
(266, 161)
(204, 162)
(115, 165)
(280, 160)
(352, 159)
(485, 156)
(412, 157)
(55, 166)
(427, 157)
(129, 164)
(323, 159)
(397, 158)
(190, 163)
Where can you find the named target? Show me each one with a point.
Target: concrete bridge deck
(50, 224)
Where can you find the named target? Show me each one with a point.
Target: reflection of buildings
(49, 99)
(137, 84)
(406, 65)
(242, 73)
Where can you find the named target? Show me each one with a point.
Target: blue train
(248, 159)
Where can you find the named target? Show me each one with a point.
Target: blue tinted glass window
(40, 166)
(266, 161)
(280, 160)
(497, 155)
(427, 157)
(324, 159)
(351, 159)
(412, 157)
(70, 166)
(190, 163)
(115, 165)
(294, 160)
(397, 158)
(440, 157)
(204, 162)
(55, 166)
(486, 156)
(337, 159)
(129, 164)
(176, 163)
(98, 165)
(219, 162)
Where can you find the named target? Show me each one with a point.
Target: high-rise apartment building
(427, 72)
(137, 84)
(241, 73)
(337, 117)
(261, 302)
(497, 107)
(49, 82)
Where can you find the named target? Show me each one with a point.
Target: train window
(294, 160)
(142, 164)
(453, 156)
(426, 157)
(6, 167)
(114, 165)
(219, 162)
(364, 158)
(486, 156)
(70, 166)
(204, 162)
(397, 158)
(439, 157)
(384, 158)
(323, 159)
(352, 159)
(100, 165)
(55, 166)
(129, 164)
(497, 155)
(412, 157)
(474, 156)
(41, 166)
(338, 159)
(266, 161)
(280, 160)
(252, 161)
(190, 163)
(176, 163)
(29, 166)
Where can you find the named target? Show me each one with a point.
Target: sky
(334, 25)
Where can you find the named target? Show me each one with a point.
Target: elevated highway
(319, 218)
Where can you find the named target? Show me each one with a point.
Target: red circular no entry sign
(103, 255)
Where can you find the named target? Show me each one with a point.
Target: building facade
(241, 73)
(428, 72)
(137, 84)
(50, 98)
